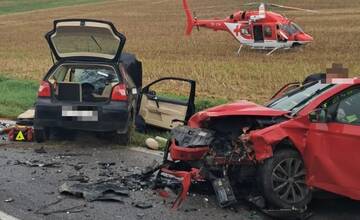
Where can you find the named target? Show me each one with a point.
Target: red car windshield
(296, 99)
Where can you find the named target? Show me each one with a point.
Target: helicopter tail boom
(189, 18)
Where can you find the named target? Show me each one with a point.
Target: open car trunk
(83, 82)
(86, 39)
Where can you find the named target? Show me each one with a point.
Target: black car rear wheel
(125, 139)
(41, 134)
(282, 179)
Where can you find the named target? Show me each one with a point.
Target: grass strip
(12, 6)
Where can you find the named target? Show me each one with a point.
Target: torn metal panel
(94, 191)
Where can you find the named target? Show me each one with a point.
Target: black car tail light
(44, 89)
(119, 93)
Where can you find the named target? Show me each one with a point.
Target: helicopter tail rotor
(189, 18)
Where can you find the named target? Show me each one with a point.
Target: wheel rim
(288, 180)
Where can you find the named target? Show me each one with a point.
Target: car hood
(85, 38)
(238, 108)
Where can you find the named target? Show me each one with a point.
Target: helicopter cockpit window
(297, 27)
(267, 31)
(291, 28)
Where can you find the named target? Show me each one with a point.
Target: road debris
(142, 205)
(40, 150)
(62, 155)
(149, 170)
(37, 163)
(140, 215)
(152, 144)
(106, 169)
(80, 178)
(94, 191)
(161, 139)
(78, 166)
(106, 165)
(8, 200)
(44, 210)
(5, 127)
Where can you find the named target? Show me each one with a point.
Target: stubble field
(155, 32)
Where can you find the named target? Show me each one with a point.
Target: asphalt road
(31, 188)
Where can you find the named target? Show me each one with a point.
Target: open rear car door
(86, 39)
(168, 110)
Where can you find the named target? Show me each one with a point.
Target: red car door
(332, 154)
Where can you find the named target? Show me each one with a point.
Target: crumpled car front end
(217, 146)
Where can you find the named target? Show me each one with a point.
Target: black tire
(41, 135)
(125, 139)
(282, 180)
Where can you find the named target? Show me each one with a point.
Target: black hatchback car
(93, 86)
(89, 87)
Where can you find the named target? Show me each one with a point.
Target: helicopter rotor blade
(252, 4)
(267, 5)
(292, 8)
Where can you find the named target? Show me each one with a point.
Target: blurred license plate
(80, 115)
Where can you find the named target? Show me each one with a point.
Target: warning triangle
(20, 136)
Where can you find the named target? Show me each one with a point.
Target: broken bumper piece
(187, 177)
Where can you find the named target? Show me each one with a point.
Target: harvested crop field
(155, 32)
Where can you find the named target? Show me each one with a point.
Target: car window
(345, 107)
(171, 90)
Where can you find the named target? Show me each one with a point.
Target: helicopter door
(268, 32)
(281, 35)
(258, 33)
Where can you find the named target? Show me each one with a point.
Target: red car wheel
(283, 180)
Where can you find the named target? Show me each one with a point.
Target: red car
(307, 138)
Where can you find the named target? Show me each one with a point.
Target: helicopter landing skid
(239, 50)
(273, 50)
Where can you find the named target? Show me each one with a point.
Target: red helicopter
(259, 29)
